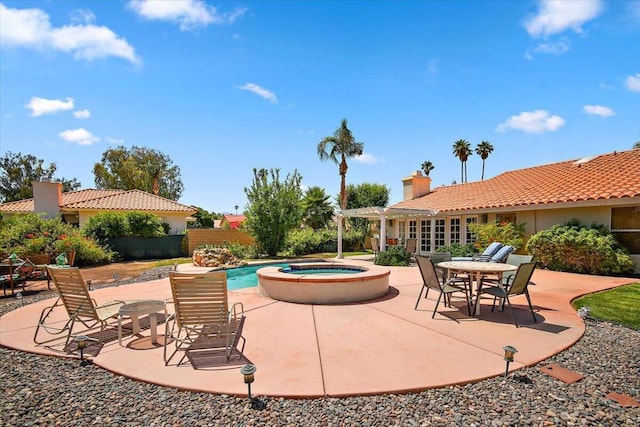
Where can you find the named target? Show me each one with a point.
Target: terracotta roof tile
(106, 200)
(607, 176)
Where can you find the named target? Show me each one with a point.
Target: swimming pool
(245, 277)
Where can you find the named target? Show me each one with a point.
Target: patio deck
(374, 347)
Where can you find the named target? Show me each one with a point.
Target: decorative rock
(216, 257)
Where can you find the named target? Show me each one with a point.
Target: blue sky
(223, 87)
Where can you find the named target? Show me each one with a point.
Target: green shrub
(109, 225)
(576, 248)
(144, 224)
(307, 241)
(458, 249)
(241, 251)
(31, 234)
(106, 225)
(505, 233)
(394, 256)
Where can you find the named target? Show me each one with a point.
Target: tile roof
(608, 176)
(106, 200)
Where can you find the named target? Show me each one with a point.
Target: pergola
(382, 214)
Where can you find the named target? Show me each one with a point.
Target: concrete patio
(379, 346)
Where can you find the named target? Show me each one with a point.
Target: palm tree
(318, 211)
(427, 167)
(338, 148)
(462, 150)
(483, 150)
(636, 145)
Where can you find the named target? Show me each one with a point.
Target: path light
(115, 278)
(248, 371)
(175, 266)
(81, 343)
(19, 298)
(89, 284)
(509, 352)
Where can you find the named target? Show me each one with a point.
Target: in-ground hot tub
(323, 283)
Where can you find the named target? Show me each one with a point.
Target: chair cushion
(492, 249)
(502, 254)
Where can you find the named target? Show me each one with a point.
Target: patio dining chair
(74, 296)
(375, 247)
(203, 318)
(411, 246)
(446, 287)
(517, 285)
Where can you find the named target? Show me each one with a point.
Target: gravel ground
(41, 390)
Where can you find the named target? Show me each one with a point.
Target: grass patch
(165, 262)
(620, 305)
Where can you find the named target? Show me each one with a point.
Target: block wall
(217, 236)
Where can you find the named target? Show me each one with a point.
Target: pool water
(245, 277)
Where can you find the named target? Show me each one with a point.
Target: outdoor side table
(139, 308)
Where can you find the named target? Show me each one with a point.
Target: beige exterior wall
(177, 221)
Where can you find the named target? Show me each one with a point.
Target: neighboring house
(76, 207)
(232, 221)
(603, 189)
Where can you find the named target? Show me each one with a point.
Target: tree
(18, 171)
(338, 148)
(140, 168)
(636, 145)
(317, 210)
(427, 167)
(274, 208)
(362, 196)
(204, 219)
(462, 150)
(483, 150)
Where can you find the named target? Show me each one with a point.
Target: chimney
(47, 197)
(415, 186)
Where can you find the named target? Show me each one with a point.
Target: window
(413, 229)
(425, 235)
(470, 237)
(439, 234)
(454, 230)
(625, 226)
(401, 232)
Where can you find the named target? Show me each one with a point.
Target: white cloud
(79, 136)
(117, 141)
(554, 48)
(598, 110)
(557, 16)
(633, 83)
(82, 114)
(367, 158)
(42, 106)
(82, 16)
(260, 91)
(190, 14)
(537, 121)
(31, 28)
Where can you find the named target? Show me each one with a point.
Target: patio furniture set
(202, 318)
(506, 275)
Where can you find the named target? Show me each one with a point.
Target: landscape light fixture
(509, 352)
(81, 344)
(248, 370)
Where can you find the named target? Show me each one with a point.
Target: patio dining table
(475, 270)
